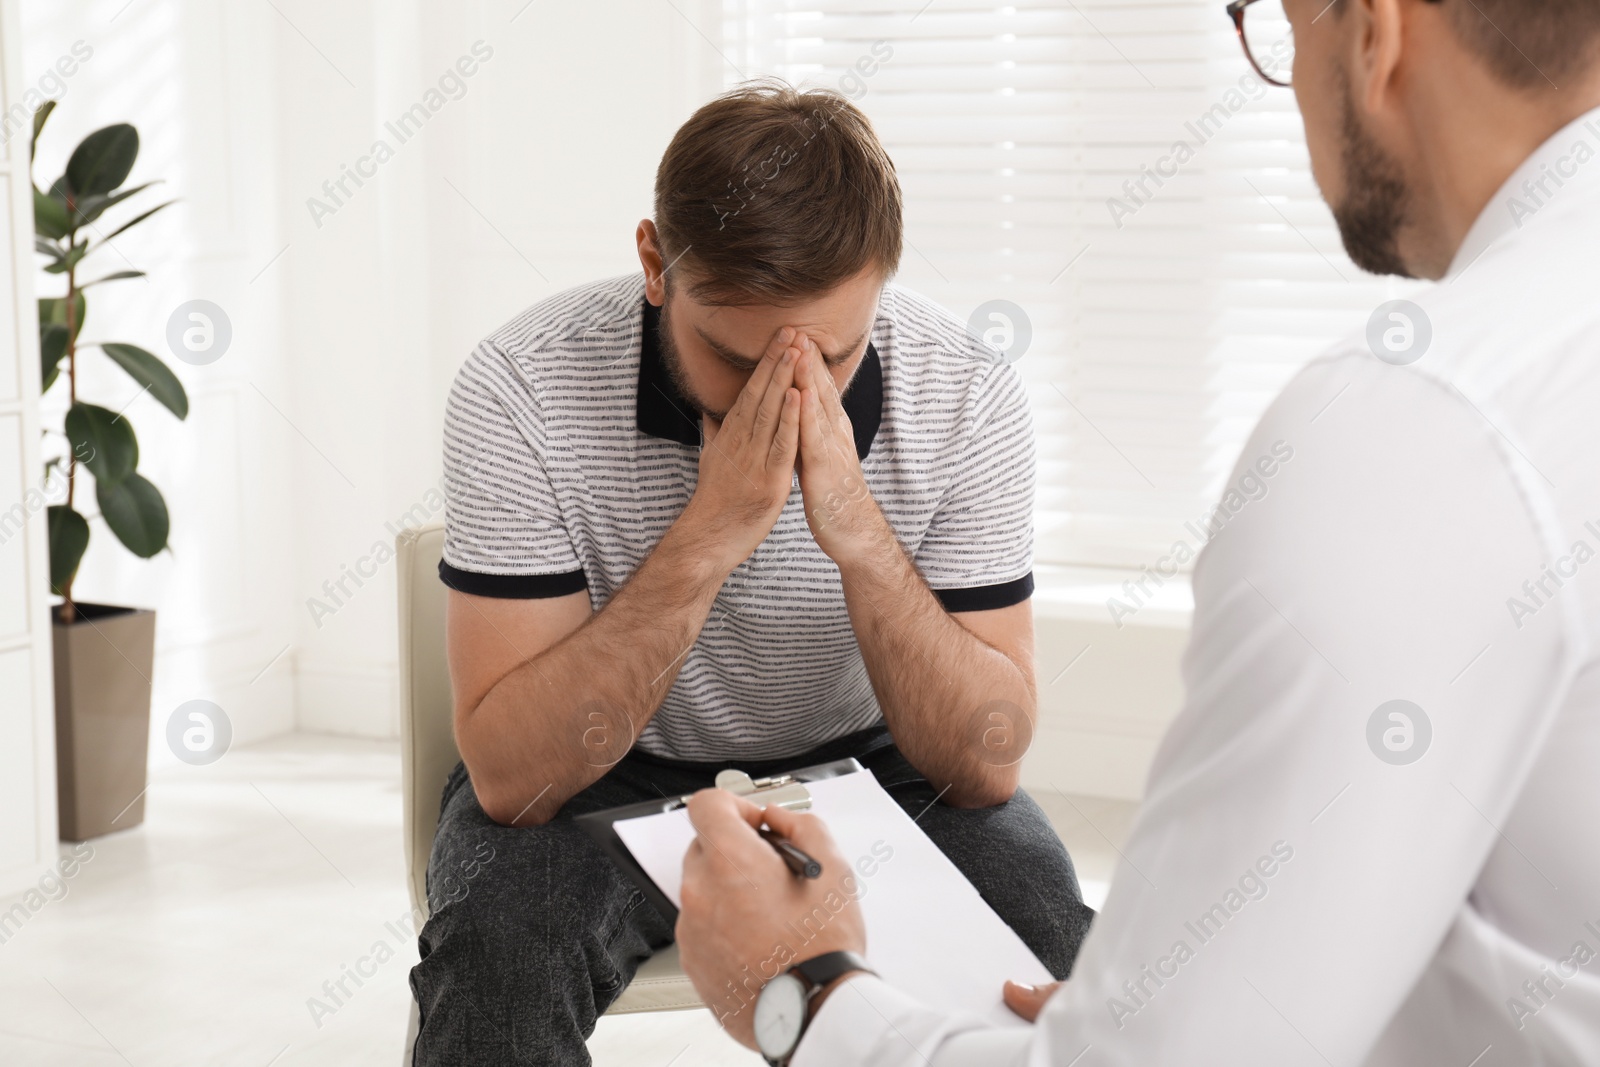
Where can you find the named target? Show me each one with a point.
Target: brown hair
(770, 195)
(1531, 44)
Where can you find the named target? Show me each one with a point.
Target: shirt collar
(663, 412)
(1557, 170)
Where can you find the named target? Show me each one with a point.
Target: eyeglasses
(1269, 44)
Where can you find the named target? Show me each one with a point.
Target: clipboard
(788, 790)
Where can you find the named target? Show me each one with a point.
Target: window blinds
(1117, 172)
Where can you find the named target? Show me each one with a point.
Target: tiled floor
(212, 934)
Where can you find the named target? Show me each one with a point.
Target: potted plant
(104, 654)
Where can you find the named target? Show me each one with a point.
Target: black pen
(801, 864)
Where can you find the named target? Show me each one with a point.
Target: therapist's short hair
(1530, 44)
(771, 195)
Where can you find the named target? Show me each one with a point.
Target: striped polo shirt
(569, 452)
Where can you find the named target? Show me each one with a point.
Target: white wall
(318, 432)
(27, 752)
(1107, 691)
(531, 181)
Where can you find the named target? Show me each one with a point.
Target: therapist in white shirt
(1372, 836)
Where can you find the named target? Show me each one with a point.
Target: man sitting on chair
(754, 508)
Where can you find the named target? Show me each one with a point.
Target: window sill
(1086, 594)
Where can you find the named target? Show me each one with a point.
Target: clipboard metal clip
(784, 790)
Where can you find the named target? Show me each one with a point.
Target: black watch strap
(817, 972)
(820, 970)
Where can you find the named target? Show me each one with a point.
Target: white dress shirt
(1287, 896)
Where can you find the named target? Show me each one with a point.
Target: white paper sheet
(929, 933)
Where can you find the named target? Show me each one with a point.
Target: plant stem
(68, 611)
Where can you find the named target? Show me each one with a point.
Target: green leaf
(103, 441)
(74, 255)
(91, 207)
(118, 276)
(54, 309)
(102, 160)
(149, 371)
(50, 216)
(40, 117)
(134, 222)
(45, 246)
(69, 537)
(134, 510)
(52, 346)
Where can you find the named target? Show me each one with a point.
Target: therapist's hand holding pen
(747, 915)
(798, 861)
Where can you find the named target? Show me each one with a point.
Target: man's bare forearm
(951, 700)
(938, 683)
(562, 717)
(558, 722)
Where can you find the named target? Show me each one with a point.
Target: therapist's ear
(1028, 1000)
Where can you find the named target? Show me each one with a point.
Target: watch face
(780, 1016)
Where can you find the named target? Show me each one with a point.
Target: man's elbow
(511, 807)
(504, 797)
(987, 787)
(510, 814)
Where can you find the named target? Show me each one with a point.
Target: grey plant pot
(103, 665)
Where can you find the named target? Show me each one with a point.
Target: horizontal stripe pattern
(547, 475)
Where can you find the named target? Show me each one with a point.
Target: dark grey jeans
(534, 932)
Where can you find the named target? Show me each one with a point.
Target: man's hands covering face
(844, 518)
(788, 416)
(747, 463)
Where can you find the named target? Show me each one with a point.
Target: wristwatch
(783, 1010)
